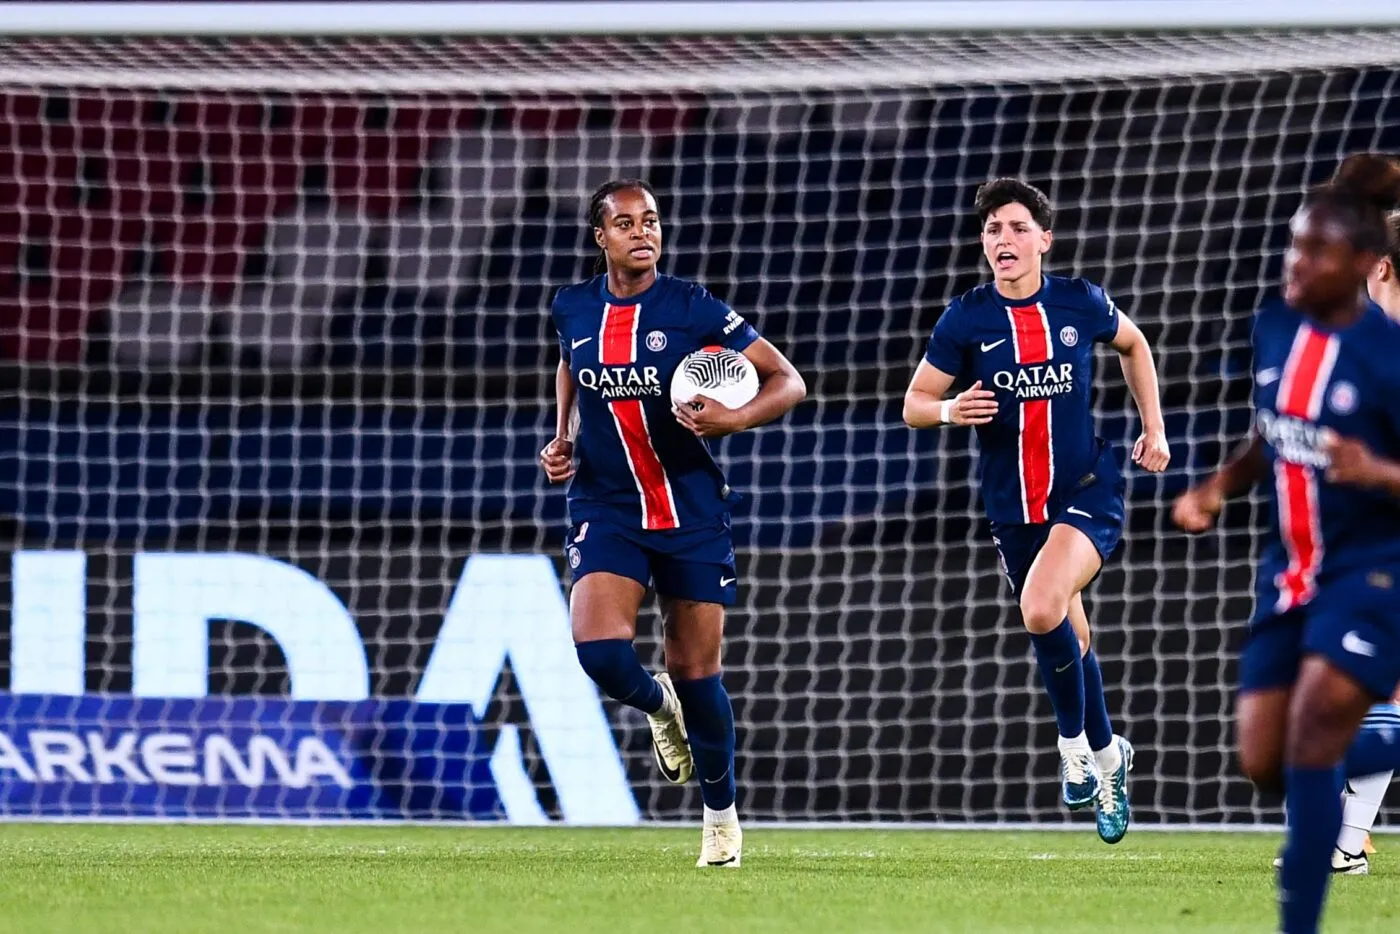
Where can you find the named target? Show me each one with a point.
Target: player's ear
(598, 237)
(1046, 239)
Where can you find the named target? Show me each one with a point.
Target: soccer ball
(722, 374)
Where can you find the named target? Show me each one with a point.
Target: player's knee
(1262, 767)
(1043, 612)
(1317, 734)
(690, 661)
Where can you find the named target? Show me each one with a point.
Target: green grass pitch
(244, 880)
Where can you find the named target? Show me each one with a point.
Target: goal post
(274, 314)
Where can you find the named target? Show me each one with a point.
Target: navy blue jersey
(1037, 355)
(637, 466)
(1309, 380)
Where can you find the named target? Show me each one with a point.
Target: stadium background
(411, 242)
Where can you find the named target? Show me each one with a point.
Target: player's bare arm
(925, 407)
(780, 388)
(1140, 372)
(1196, 509)
(557, 458)
(1352, 463)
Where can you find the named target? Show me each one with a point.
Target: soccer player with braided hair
(647, 503)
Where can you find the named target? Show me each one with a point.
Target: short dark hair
(999, 192)
(1362, 196)
(1392, 221)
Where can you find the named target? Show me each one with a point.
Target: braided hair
(597, 203)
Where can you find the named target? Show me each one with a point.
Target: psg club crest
(1069, 336)
(1342, 399)
(656, 341)
(574, 557)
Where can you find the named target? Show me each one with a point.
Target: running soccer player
(1364, 794)
(648, 504)
(1324, 644)
(1052, 489)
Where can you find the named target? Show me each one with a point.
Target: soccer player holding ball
(1052, 489)
(648, 504)
(1324, 645)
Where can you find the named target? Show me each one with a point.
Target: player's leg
(1063, 566)
(1112, 754)
(610, 572)
(695, 579)
(1324, 713)
(1371, 762)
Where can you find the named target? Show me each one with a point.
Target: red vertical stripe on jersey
(1301, 387)
(618, 340)
(1030, 332)
(619, 337)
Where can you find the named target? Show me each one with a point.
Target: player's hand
(973, 406)
(1197, 509)
(710, 420)
(1151, 452)
(1350, 462)
(557, 459)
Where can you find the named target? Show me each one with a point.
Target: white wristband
(945, 412)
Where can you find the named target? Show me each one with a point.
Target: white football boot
(669, 745)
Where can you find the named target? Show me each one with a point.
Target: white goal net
(278, 361)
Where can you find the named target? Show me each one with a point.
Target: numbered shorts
(1094, 507)
(1353, 622)
(691, 563)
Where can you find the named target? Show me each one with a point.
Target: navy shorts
(690, 563)
(1094, 507)
(1353, 622)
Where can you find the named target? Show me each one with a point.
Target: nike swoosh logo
(726, 581)
(1065, 667)
(1078, 512)
(993, 345)
(1266, 376)
(575, 345)
(1357, 645)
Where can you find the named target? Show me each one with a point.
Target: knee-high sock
(1314, 808)
(1376, 748)
(614, 667)
(1097, 725)
(1359, 810)
(709, 722)
(1057, 656)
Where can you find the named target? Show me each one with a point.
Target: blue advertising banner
(249, 757)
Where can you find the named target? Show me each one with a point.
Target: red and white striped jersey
(1037, 355)
(1309, 380)
(636, 464)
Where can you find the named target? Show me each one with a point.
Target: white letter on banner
(177, 594)
(58, 749)
(170, 759)
(48, 622)
(511, 606)
(12, 759)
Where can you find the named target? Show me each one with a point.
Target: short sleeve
(948, 344)
(1104, 315)
(554, 316)
(715, 322)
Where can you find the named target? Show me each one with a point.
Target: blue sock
(1057, 654)
(1097, 726)
(709, 722)
(614, 667)
(1375, 749)
(1314, 809)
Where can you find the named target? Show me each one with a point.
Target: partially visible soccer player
(1365, 793)
(648, 504)
(1052, 489)
(1324, 645)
